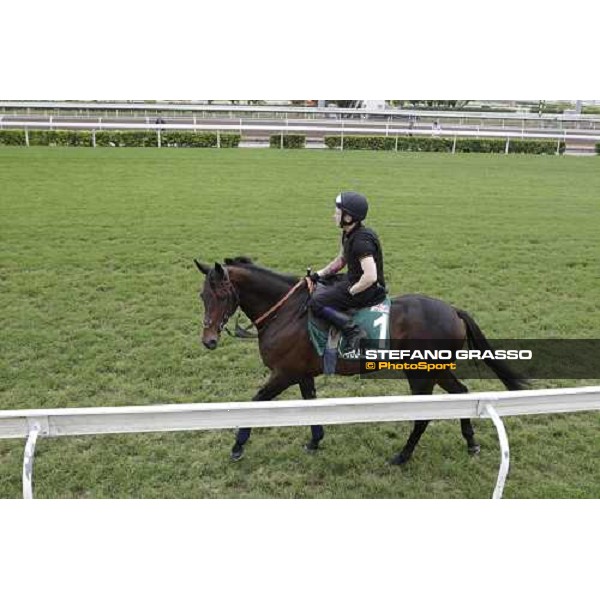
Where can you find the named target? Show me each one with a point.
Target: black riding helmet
(353, 204)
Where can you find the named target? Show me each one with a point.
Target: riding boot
(352, 332)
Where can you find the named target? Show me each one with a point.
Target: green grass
(100, 308)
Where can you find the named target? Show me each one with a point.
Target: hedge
(126, 138)
(535, 147)
(191, 139)
(10, 137)
(137, 138)
(289, 141)
(441, 144)
(598, 148)
(60, 138)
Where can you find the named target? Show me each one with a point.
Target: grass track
(99, 307)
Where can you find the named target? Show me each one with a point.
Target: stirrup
(354, 336)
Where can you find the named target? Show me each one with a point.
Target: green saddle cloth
(373, 320)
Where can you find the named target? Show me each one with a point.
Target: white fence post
(28, 462)
(26, 137)
(507, 146)
(504, 451)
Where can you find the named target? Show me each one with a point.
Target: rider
(364, 284)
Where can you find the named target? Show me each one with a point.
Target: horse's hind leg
(452, 385)
(277, 383)
(307, 388)
(418, 386)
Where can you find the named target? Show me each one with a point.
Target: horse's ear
(220, 271)
(202, 267)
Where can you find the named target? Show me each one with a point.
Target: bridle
(225, 292)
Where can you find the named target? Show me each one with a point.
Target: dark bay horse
(276, 303)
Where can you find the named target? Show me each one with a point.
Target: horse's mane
(246, 263)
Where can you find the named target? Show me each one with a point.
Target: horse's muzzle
(210, 344)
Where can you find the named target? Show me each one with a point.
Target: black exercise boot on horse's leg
(277, 383)
(307, 388)
(452, 385)
(418, 386)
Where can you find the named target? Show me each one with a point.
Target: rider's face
(337, 216)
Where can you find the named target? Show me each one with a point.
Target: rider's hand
(314, 277)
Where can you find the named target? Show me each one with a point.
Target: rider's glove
(314, 277)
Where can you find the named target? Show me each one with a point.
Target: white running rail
(32, 424)
(341, 130)
(240, 109)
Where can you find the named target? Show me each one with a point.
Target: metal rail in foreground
(31, 424)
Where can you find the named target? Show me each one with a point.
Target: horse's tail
(477, 340)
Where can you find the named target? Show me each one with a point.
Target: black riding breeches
(338, 297)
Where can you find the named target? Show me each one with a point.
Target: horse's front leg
(307, 388)
(277, 383)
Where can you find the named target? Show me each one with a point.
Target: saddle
(330, 344)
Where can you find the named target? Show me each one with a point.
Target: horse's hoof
(237, 454)
(399, 460)
(474, 450)
(311, 447)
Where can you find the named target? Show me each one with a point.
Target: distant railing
(339, 129)
(236, 109)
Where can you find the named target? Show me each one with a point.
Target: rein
(279, 303)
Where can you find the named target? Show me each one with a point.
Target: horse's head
(220, 300)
